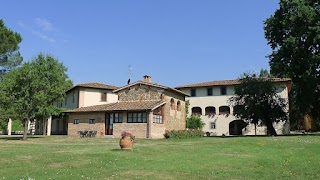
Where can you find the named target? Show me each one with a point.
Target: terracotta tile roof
(121, 106)
(151, 84)
(95, 85)
(225, 83)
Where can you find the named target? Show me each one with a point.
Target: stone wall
(175, 119)
(139, 130)
(140, 93)
(157, 130)
(99, 126)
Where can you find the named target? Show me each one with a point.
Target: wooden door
(109, 124)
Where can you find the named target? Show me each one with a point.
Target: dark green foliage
(187, 107)
(184, 134)
(257, 102)
(16, 125)
(293, 33)
(264, 73)
(27, 92)
(9, 54)
(194, 122)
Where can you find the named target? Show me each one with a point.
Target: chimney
(147, 79)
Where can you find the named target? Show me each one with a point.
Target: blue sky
(177, 42)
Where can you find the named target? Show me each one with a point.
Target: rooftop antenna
(129, 73)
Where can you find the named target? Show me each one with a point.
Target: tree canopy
(293, 32)
(9, 45)
(256, 101)
(28, 92)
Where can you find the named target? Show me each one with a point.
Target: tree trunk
(44, 120)
(25, 132)
(271, 129)
(255, 129)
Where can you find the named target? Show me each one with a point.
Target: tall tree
(293, 33)
(29, 91)
(256, 101)
(9, 55)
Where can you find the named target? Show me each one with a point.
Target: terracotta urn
(126, 143)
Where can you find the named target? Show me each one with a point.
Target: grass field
(291, 157)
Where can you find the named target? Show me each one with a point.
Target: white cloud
(44, 24)
(37, 33)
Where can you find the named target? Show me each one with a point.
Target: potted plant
(127, 140)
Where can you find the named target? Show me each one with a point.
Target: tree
(28, 92)
(264, 73)
(194, 122)
(9, 55)
(257, 102)
(293, 34)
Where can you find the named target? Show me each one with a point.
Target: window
(92, 121)
(223, 90)
(210, 111)
(172, 104)
(103, 96)
(139, 117)
(197, 111)
(65, 100)
(193, 93)
(117, 117)
(212, 125)
(224, 110)
(76, 121)
(157, 116)
(157, 119)
(178, 106)
(209, 92)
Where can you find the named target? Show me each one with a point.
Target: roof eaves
(159, 105)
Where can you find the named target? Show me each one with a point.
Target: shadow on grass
(15, 138)
(282, 135)
(116, 150)
(122, 150)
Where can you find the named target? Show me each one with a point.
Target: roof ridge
(225, 82)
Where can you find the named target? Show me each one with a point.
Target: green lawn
(291, 157)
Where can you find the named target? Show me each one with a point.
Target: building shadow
(16, 138)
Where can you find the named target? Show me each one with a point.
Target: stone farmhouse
(145, 109)
(209, 100)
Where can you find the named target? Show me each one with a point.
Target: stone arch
(210, 110)
(172, 104)
(178, 106)
(196, 111)
(224, 110)
(236, 126)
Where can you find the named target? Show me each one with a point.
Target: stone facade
(173, 115)
(140, 93)
(157, 130)
(99, 126)
(139, 130)
(175, 119)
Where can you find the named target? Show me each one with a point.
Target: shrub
(16, 125)
(194, 122)
(183, 134)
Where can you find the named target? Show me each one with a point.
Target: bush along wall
(183, 134)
